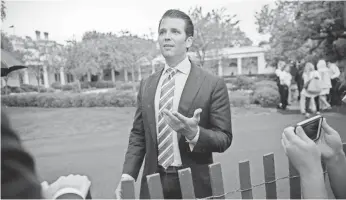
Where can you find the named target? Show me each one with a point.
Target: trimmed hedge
(264, 92)
(239, 98)
(266, 96)
(128, 86)
(66, 100)
(25, 88)
(84, 85)
(265, 83)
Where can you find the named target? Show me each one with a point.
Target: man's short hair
(173, 13)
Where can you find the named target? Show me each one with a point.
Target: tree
(81, 58)
(33, 60)
(109, 54)
(6, 42)
(3, 10)
(215, 30)
(9, 75)
(302, 30)
(134, 48)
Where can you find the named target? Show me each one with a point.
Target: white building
(233, 61)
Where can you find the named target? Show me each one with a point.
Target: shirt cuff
(127, 176)
(193, 142)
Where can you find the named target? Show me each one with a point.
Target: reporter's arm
(336, 168)
(312, 184)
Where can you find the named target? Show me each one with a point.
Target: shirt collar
(183, 67)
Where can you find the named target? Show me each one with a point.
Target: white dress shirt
(285, 77)
(183, 71)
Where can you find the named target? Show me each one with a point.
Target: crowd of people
(319, 87)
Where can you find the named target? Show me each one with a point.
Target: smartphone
(312, 127)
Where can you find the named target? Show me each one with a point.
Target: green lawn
(92, 141)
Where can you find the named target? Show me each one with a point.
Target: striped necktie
(165, 136)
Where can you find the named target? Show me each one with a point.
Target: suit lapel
(149, 102)
(192, 86)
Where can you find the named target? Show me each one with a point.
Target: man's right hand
(118, 191)
(330, 143)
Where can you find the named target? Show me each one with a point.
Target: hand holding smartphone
(312, 127)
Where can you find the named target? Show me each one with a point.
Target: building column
(220, 67)
(62, 76)
(26, 76)
(261, 63)
(89, 76)
(112, 75)
(239, 65)
(45, 77)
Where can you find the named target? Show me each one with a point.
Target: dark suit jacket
(202, 90)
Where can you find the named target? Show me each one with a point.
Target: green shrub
(32, 88)
(241, 82)
(56, 85)
(104, 84)
(244, 82)
(67, 87)
(65, 100)
(239, 98)
(85, 85)
(265, 83)
(128, 86)
(266, 97)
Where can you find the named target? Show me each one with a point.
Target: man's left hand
(183, 125)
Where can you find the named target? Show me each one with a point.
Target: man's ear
(189, 42)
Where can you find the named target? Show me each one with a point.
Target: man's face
(172, 38)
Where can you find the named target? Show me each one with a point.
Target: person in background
(342, 88)
(326, 83)
(294, 84)
(306, 96)
(280, 66)
(285, 79)
(335, 99)
(299, 77)
(306, 155)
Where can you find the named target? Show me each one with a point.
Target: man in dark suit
(182, 117)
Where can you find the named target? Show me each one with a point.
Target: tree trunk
(133, 78)
(38, 84)
(101, 75)
(344, 15)
(139, 73)
(133, 73)
(77, 80)
(126, 75)
(79, 85)
(6, 90)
